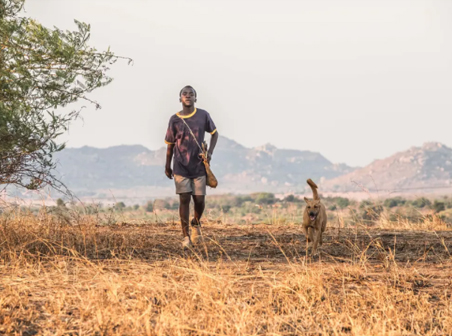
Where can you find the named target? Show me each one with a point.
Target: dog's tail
(314, 189)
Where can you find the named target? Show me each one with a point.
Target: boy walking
(188, 170)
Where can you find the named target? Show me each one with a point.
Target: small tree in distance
(149, 207)
(290, 198)
(60, 203)
(120, 206)
(438, 206)
(264, 198)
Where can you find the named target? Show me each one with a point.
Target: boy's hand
(169, 172)
(209, 157)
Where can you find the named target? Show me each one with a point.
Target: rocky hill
(239, 169)
(427, 168)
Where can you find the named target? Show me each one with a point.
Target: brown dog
(314, 219)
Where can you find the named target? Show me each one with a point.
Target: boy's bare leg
(184, 213)
(200, 205)
(196, 234)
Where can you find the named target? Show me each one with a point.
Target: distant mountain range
(239, 169)
(266, 168)
(427, 169)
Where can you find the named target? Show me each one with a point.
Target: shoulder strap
(191, 134)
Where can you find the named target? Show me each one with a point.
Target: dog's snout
(311, 214)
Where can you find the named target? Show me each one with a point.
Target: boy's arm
(169, 157)
(170, 140)
(213, 143)
(212, 129)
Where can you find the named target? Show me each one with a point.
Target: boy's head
(187, 96)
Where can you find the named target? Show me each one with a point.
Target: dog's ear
(306, 200)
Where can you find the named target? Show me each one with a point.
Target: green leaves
(41, 70)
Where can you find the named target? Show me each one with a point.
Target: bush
(448, 203)
(265, 198)
(91, 210)
(226, 208)
(161, 204)
(174, 205)
(238, 201)
(120, 206)
(149, 207)
(372, 212)
(421, 202)
(365, 204)
(290, 198)
(342, 202)
(438, 206)
(393, 202)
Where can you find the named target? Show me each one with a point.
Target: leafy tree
(120, 206)
(41, 70)
(60, 203)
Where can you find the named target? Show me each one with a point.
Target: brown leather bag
(211, 179)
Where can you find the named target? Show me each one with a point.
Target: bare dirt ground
(130, 279)
(276, 244)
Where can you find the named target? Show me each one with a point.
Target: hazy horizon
(353, 80)
(268, 143)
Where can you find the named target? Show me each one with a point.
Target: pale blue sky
(353, 80)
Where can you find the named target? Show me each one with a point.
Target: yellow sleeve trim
(214, 131)
(169, 143)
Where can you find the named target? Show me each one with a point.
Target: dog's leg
(317, 238)
(321, 232)
(305, 231)
(306, 234)
(310, 234)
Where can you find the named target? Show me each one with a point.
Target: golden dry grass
(87, 279)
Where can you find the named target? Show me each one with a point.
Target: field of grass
(74, 274)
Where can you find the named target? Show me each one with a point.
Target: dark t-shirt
(187, 162)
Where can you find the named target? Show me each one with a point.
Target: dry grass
(84, 279)
(424, 223)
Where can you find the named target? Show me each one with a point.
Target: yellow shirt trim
(169, 143)
(214, 131)
(187, 116)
